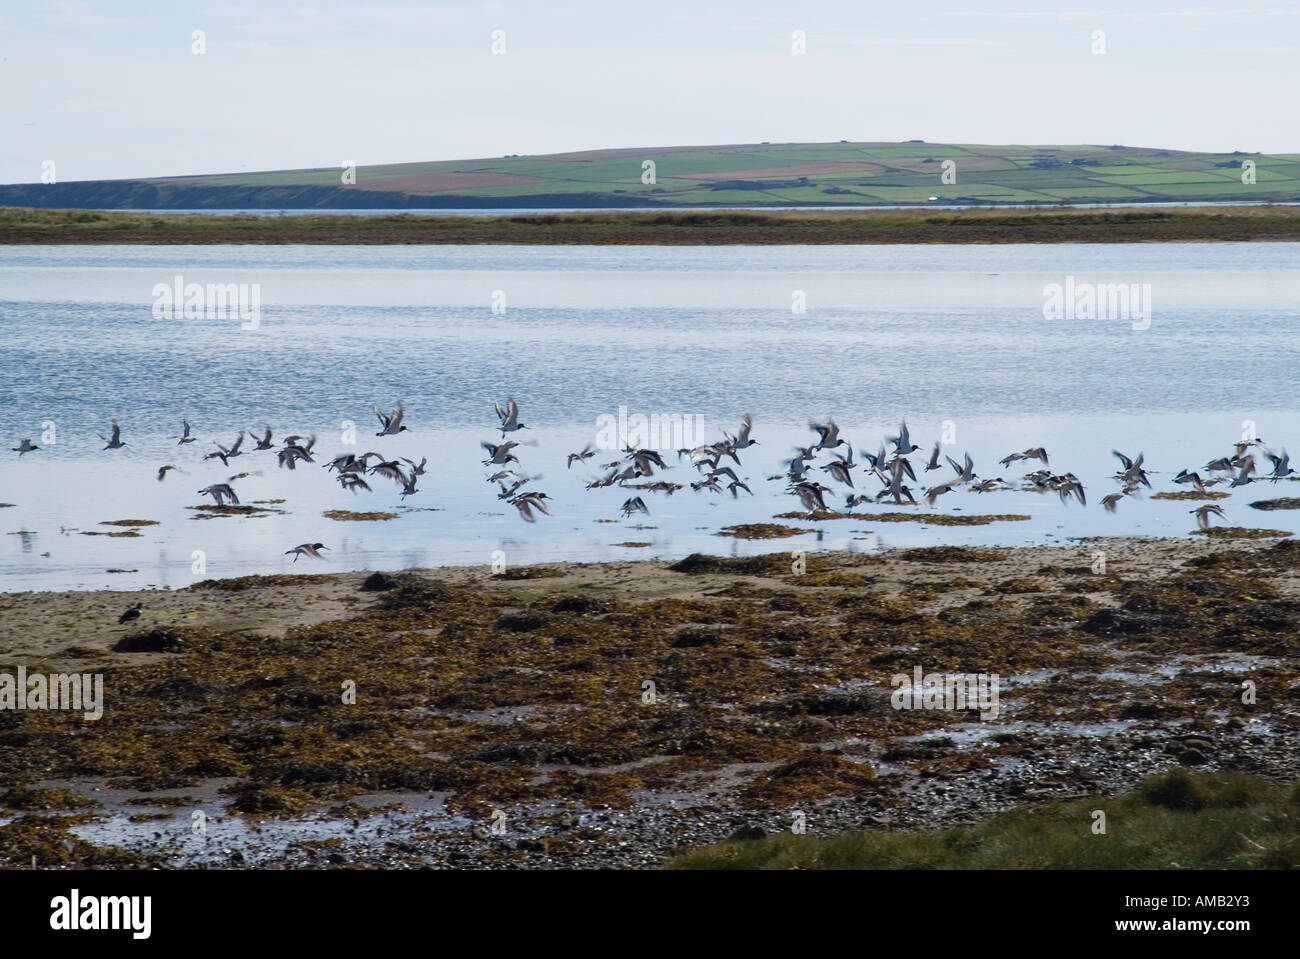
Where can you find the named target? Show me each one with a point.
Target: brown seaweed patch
(115, 533)
(842, 580)
(531, 572)
(632, 545)
(949, 519)
(1286, 502)
(46, 841)
(128, 522)
(949, 554)
(160, 801)
(1191, 494)
(237, 583)
(350, 516)
(30, 798)
(211, 510)
(769, 564)
(808, 778)
(761, 531)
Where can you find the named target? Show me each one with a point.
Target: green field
(890, 173)
(820, 174)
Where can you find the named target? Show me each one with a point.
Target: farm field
(811, 174)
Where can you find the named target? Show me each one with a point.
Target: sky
(109, 90)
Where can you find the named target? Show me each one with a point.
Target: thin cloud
(908, 41)
(76, 14)
(1238, 14)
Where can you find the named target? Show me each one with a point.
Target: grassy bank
(1175, 820)
(702, 228)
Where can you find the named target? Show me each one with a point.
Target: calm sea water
(951, 337)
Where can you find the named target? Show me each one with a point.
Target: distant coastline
(981, 225)
(733, 176)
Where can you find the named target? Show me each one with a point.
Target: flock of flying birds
(349, 468)
(636, 470)
(641, 470)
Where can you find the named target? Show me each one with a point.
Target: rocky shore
(614, 715)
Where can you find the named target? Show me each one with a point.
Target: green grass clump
(1176, 820)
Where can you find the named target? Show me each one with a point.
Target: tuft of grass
(1176, 820)
(672, 227)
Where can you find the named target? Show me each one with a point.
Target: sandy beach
(593, 715)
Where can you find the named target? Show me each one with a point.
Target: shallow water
(945, 335)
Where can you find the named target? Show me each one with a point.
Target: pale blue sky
(112, 89)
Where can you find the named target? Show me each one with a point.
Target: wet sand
(508, 721)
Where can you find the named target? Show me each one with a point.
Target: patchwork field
(820, 174)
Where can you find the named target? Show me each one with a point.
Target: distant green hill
(795, 174)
